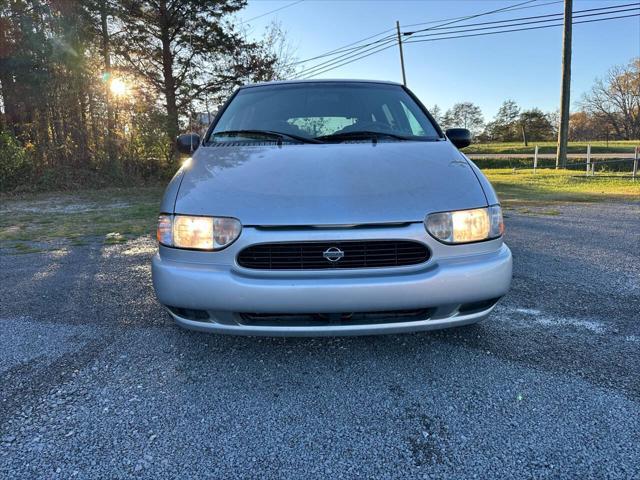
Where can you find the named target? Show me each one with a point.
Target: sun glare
(118, 87)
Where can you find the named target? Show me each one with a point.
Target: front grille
(326, 319)
(311, 255)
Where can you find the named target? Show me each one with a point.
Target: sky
(486, 70)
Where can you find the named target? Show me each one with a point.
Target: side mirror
(188, 143)
(460, 137)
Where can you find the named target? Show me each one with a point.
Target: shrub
(15, 166)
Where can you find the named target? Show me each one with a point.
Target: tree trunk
(43, 145)
(169, 80)
(83, 124)
(106, 55)
(7, 74)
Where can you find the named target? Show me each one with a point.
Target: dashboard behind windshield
(313, 110)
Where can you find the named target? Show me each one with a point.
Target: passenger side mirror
(188, 143)
(460, 137)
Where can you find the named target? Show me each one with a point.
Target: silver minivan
(328, 208)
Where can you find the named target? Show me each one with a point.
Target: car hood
(328, 184)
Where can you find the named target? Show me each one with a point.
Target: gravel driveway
(96, 381)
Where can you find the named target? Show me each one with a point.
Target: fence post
(635, 162)
(588, 157)
(535, 159)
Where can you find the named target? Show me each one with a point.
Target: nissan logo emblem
(333, 254)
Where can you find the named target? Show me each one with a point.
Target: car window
(387, 115)
(325, 108)
(416, 128)
(317, 126)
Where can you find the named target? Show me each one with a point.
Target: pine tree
(187, 49)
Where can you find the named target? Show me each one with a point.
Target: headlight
(464, 226)
(199, 233)
(165, 230)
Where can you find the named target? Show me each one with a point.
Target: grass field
(35, 222)
(626, 146)
(549, 186)
(113, 215)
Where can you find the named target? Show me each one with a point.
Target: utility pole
(404, 77)
(565, 92)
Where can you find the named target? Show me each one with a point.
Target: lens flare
(118, 88)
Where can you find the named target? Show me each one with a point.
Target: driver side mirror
(460, 137)
(188, 143)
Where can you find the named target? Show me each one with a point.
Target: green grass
(549, 186)
(551, 212)
(113, 214)
(619, 146)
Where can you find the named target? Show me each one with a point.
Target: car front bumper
(212, 282)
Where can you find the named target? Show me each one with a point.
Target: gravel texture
(97, 382)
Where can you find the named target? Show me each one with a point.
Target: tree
(584, 126)
(508, 112)
(187, 49)
(106, 10)
(535, 126)
(464, 115)
(617, 99)
(58, 60)
(275, 45)
(505, 125)
(554, 121)
(436, 113)
(44, 80)
(97, 18)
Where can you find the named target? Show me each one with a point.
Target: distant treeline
(611, 110)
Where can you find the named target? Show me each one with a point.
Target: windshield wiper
(268, 133)
(362, 134)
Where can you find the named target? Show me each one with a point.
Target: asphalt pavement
(97, 382)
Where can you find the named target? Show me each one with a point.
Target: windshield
(327, 111)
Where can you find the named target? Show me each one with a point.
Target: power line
(355, 51)
(612, 7)
(362, 51)
(520, 29)
(355, 46)
(344, 49)
(312, 70)
(315, 74)
(469, 17)
(273, 11)
(378, 49)
(447, 21)
(537, 5)
(521, 23)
